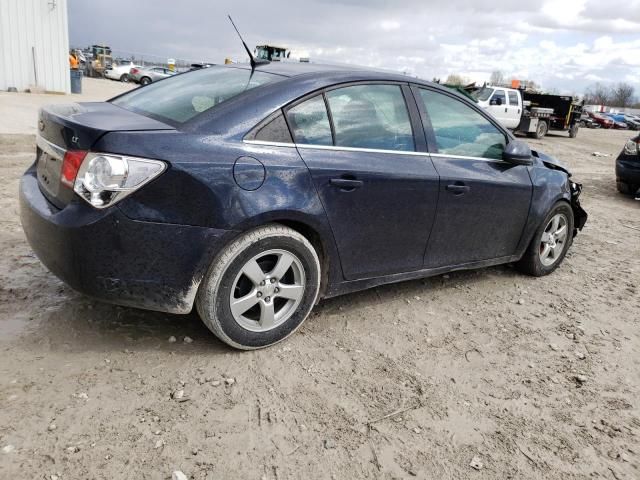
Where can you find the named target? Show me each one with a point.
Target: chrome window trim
(334, 148)
(268, 144)
(51, 149)
(372, 150)
(464, 157)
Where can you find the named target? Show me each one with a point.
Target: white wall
(37, 28)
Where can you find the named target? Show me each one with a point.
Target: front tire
(550, 243)
(145, 81)
(626, 188)
(260, 288)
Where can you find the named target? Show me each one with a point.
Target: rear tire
(124, 78)
(573, 131)
(250, 298)
(548, 247)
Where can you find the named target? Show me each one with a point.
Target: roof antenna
(254, 61)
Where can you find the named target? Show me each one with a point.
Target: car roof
(294, 69)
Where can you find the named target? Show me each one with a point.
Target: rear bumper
(108, 256)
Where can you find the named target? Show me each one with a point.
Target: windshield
(182, 97)
(483, 94)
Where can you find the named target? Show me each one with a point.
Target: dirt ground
(524, 377)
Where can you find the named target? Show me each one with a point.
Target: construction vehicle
(276, 54)
(100, 59)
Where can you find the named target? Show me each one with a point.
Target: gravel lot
(524, 378)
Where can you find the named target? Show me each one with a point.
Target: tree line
(619, 95)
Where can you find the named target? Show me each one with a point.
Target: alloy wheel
(553, 240)
(267, 291)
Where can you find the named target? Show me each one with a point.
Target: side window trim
(429, 132)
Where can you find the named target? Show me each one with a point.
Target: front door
(379, 194)
(498, 106)
(484, 201)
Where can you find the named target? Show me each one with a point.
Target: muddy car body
(294, 182)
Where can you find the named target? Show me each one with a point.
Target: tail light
(104, 179)
(133, 71)
(70, 166)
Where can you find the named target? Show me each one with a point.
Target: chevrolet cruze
(251, 193)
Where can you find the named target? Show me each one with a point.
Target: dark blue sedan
(251, 194)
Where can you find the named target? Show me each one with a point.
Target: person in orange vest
(73, 61)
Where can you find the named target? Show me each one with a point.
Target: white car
(119, 72)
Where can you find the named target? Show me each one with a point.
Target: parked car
(120, 71)
(628, 168)
(250, 195)
(145, 76)
(618, 121)
(587, 122)
(632, 122)
(602, 120)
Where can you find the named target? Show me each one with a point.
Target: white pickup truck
(531, 113)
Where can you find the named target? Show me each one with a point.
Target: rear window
(181, 98)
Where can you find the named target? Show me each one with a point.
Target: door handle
(458, 188)
(346, 184)
(506, 109)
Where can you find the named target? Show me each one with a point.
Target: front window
(183, 97)
(460, 130)
(483, 94)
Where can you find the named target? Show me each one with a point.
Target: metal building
(34, 45)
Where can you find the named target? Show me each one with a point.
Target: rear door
(484, 201)
(378, 189)
(513, 110)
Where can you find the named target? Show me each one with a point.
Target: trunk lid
(77, 126)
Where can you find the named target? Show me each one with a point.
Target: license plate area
(49, 168)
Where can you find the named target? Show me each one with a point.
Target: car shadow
(76, 323)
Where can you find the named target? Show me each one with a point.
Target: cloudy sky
(565, 45)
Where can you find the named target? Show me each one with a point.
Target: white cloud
(561, 44)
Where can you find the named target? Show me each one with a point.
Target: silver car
(146, 75)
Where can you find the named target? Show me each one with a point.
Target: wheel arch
(317, 232)
(549, 187)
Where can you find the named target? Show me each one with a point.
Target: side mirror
(517, 152)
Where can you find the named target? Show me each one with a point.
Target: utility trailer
(543, 112)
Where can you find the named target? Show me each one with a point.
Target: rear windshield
(180, 98)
